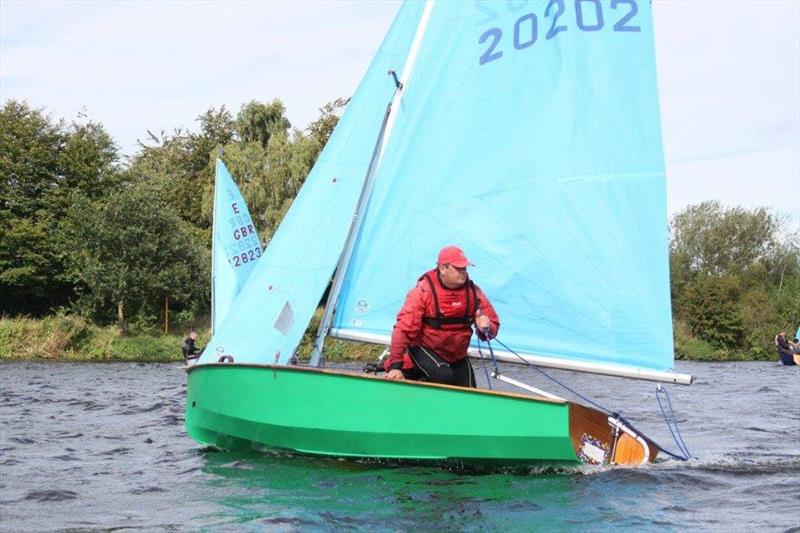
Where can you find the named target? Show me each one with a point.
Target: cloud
(729, 75)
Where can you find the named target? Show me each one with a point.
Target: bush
(72, 337)
(709, 307)
(50, 338)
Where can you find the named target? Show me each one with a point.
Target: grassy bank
(72, 338)
(68, 337)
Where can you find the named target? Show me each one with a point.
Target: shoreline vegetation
(73, 338)
(96, 247)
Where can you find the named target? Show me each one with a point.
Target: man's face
(193, 335)
(453, 277)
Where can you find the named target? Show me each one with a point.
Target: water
(102, 446)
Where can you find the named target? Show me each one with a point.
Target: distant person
(784, 348)
(434, 326)
(190, 351)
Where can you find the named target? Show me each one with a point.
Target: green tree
(321, 129)
(131, 251)
(181, 163)
(42, 163)
(733, 273)
(30, 148)
(709, 238)
(270, 178)
(711, 310)
(258, 122)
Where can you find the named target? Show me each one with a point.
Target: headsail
(235, 246)
(530, 136)
(277, 302)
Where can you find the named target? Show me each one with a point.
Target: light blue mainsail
(235, 246)
(275, 306)
(530, 136)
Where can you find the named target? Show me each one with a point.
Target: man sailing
(434, 327)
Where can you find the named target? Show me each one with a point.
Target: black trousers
(429, 366)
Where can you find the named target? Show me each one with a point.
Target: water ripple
(114, 435)
(51, 495)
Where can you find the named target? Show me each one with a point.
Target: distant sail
(531, 138)
(278, 301)
(235, 246)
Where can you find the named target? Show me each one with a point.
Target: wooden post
(166, 315)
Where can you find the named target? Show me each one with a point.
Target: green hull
(351, 415)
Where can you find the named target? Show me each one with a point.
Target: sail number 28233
(528, 29)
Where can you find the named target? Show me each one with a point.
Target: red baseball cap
(454, 256)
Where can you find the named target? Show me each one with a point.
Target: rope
(678, 441)
(551, 378)
(483, 363)
(676, 435)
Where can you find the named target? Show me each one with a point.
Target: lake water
(102, 446)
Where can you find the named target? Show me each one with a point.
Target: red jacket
(413, 326)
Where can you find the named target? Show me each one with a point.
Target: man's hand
(395, 375)
(483, 322)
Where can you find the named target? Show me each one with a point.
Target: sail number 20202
(588, 17)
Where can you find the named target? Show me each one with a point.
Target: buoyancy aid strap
(466, 320)
(437, 321)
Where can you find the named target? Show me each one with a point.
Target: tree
(711, 310)
(321, 129)
(30, 148)
(712, 239)
(131, 250)
(269, 178)
(733, 275)
(181, 163)
(258, 122)
(43, 162)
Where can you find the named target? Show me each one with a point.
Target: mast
(317, 358)
(214, 240)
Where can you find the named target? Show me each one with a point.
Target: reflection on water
(103, 446)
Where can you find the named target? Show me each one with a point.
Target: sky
(729, 76)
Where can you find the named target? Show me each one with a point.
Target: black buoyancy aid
(455, 322)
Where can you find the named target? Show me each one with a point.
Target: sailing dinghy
(529, 134)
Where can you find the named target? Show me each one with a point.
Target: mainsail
(277, 302)
(235, 246)
(530, 136)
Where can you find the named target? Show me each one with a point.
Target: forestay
(530, 136)
(235, 246)
(274, 308)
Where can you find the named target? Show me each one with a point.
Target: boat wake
(738, 464)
